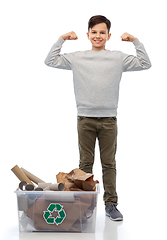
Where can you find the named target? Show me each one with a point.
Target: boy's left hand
(127, 37)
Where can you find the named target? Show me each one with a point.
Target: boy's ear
(109, 35)
(88, 35)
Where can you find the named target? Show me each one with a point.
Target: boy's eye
(100, 33)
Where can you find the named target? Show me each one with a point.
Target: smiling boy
(96, 75)
(98, 35)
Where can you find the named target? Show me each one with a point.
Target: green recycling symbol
(48, 214)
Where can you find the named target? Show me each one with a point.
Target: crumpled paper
(77, 180)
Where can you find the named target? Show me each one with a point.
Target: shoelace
(113, 207)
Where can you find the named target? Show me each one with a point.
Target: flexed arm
(135, 63)
(57, 60)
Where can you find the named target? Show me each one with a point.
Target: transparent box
(62, 211)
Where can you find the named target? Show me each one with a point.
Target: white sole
(116, 219)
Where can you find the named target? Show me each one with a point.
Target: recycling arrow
(48, 214)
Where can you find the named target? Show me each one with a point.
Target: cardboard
(65, 197)
(22, 185)
(43, 185)
(32, 177)
(75, 214)
(21, 175)
(57, 187)
(52, 186)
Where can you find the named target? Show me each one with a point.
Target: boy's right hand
(69, 36)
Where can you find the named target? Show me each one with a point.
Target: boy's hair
(99, 19)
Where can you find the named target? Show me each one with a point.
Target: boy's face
(98, 35)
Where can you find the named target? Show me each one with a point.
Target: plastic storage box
(66, 211)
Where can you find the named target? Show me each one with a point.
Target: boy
(96, 75)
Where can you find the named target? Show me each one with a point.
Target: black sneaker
(113, 212)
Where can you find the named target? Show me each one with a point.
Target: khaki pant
(105, 130)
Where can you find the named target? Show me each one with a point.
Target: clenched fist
(127, 37)
(69, 36)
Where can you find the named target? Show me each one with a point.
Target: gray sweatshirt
(97, 75)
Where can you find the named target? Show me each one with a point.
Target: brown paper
(77, 179)
(61, 178)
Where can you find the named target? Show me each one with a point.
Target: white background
(38, 124)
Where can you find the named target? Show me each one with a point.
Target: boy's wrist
(134, 39)
(62, 37)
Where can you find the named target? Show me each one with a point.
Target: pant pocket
(110, 123)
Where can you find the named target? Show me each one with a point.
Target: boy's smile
(98, 35)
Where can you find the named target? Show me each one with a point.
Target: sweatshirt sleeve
(139, 62)
(57, 60)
